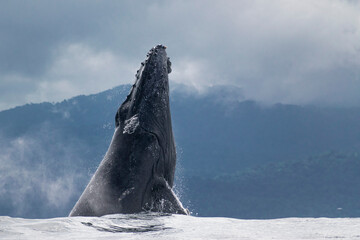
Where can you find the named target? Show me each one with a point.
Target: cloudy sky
(300, 52)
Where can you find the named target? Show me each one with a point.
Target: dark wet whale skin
(137, 172)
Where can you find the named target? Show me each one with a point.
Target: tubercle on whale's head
(150, 92)
(157, 55)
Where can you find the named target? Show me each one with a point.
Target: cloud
(77, 70)
(78, 67)
(282, 51)
(38, 176)
(195, 74)
(289, 51)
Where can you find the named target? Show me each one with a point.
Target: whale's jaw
(148, 100)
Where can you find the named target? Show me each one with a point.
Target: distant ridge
(217, 133)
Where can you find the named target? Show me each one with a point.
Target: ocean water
(166, 226)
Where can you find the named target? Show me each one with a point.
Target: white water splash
(166, 226)
(131, 124)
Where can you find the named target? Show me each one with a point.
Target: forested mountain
(325, 185)
(235, 158)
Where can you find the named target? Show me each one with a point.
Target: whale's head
(149, 96)
(146, 108)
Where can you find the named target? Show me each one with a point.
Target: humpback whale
(137, 172)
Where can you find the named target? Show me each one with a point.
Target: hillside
(327, 185)
(50, 150)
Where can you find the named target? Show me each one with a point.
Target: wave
(172, 226)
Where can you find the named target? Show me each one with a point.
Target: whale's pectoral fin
(165, 200)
